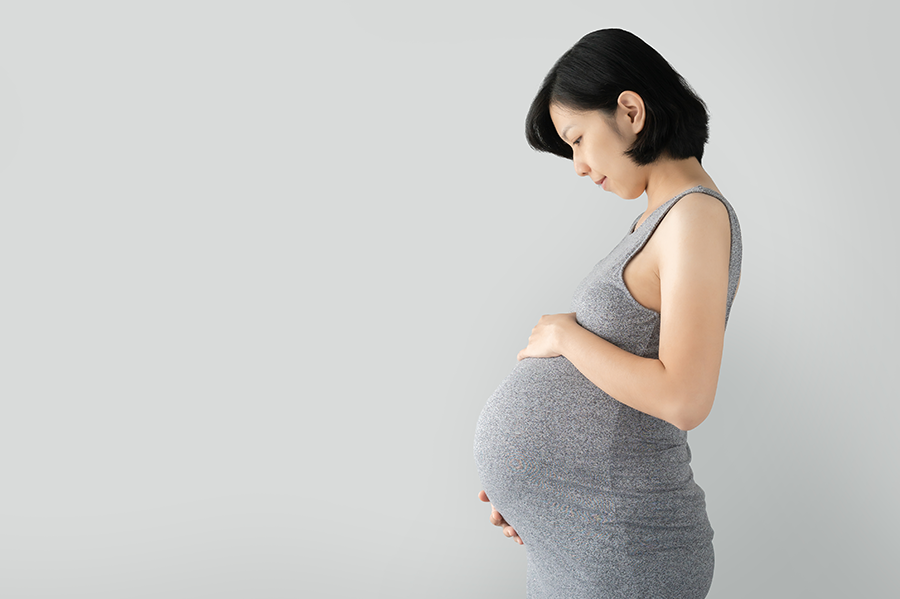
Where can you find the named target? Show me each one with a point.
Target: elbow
(688, 423)
(690, 414)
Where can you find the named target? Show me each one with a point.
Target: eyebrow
(564, 131)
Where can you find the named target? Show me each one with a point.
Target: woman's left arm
(694, 247)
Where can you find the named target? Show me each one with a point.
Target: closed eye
(576, 142)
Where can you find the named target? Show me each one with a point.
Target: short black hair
(592, 74)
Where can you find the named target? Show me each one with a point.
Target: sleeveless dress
(601, 494)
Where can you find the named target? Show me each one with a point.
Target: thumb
(483, 496)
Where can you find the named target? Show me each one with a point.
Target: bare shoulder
(697, 214)
(699, 209)
(696, 233)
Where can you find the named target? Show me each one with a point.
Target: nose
(581, 169)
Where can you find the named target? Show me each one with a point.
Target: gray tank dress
(602, 495)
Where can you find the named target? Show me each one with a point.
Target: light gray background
(262, 265)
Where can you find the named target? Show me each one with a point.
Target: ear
(631, 111)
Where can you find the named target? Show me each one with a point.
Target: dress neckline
(636, 225)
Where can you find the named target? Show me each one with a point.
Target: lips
(600, 182)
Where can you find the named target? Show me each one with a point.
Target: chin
(632, 193)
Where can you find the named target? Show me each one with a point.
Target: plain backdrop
(263, 263)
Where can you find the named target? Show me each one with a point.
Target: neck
(667, 178)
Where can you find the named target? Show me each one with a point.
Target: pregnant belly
(551, 444)
(544, 419)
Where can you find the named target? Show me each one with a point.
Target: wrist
(568, 329)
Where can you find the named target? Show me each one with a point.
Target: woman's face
(599, 144)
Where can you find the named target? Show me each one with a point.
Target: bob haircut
(592, 74)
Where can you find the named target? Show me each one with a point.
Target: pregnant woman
(583, 448)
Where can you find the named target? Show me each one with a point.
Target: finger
(498, 519)
(510, 532)
(483, 496)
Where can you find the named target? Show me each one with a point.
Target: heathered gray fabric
(602, 495)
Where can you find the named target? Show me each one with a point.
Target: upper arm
(695, 250)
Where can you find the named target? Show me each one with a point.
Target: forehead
(560, 114)
(564, 118)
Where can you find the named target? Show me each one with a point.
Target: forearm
(641, 383)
